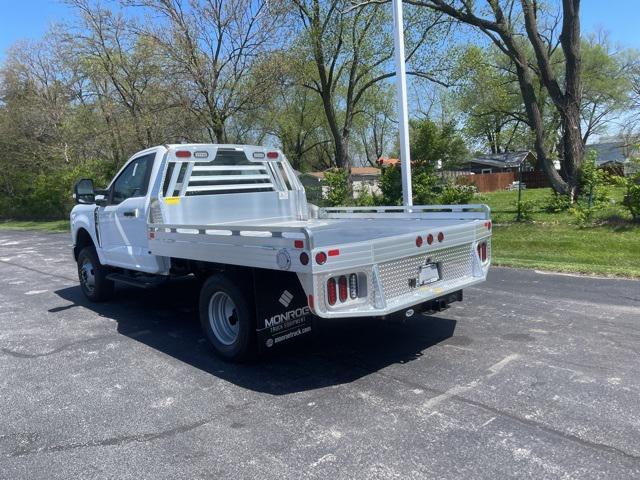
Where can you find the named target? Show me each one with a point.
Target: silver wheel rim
(87, 275)
(223, 318)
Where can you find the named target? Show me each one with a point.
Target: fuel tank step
(140, 281)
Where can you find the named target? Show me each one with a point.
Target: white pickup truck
(236, 217)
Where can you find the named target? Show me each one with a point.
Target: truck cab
(115, 219)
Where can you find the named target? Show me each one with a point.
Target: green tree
(212, 49)
(294, 114)
(433, 147)
(488, 98)
(352, 51)
(518, 29)
(607, 83)
(438, 146)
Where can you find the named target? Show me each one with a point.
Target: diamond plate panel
(455, 263)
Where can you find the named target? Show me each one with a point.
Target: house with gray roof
(501, 162)
(615, 153)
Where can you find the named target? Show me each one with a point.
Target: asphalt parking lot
(532, 376)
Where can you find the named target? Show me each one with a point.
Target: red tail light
(440, 237)
(272, 154)
(342, 288)
(482, 251)
(304, 258)
(331, 291)
(418, 242)
(321, 258)
(183, 154)
(429, 239)
(298, 243)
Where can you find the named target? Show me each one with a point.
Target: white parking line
(460, 389)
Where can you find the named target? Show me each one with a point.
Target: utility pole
(403, 115)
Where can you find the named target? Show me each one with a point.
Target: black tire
(240, 347)
(100, 288)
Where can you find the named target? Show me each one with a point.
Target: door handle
(129, 213)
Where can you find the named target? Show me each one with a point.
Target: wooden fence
(535, 179)
(491, 182)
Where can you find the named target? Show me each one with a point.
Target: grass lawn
(44, 225)
(553, 241)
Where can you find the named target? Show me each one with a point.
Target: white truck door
(123, 222)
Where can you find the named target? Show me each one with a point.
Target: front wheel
(226, 319)
(93, 276)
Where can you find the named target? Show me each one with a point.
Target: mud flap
(282, 311)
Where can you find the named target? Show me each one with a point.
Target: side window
(134, 180)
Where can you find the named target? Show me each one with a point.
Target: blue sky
(29, 19)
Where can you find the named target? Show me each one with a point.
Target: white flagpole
(403, 116)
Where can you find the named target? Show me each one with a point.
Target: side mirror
(83, 191)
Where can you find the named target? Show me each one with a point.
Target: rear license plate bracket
(428, 273)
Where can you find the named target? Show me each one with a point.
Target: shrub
(339, 190)
(424, 188)
(364, 198)
(453, 194)
(582, 214)
(423, 180)
(391, 185)
(526, 208)
(594, 182)
(557, 203)
(631, 185)
(632, 196)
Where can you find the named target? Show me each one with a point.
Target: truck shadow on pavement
(166, 319)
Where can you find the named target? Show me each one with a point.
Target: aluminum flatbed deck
(362, 237)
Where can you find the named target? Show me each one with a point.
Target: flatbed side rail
(425, 212)
(237, 234)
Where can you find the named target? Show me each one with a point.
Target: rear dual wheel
(227, 319)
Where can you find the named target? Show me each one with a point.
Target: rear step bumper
(418, 301)
(429, 307)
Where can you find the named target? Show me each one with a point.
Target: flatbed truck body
(239, 215)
